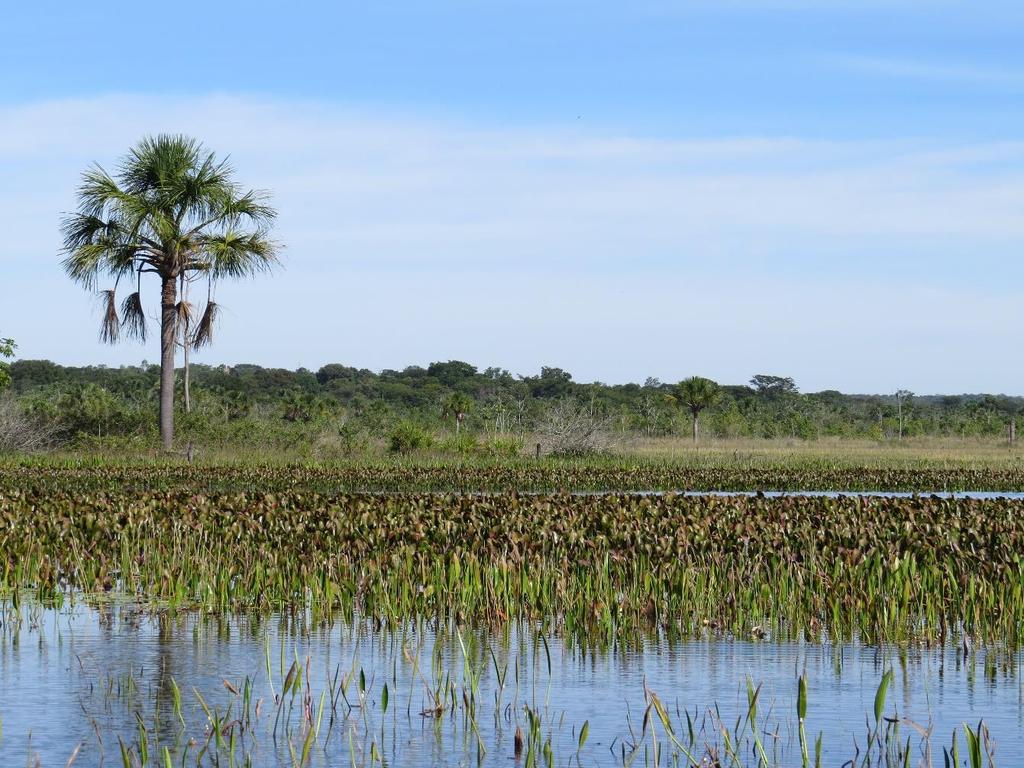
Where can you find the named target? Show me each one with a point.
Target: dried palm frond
(183, 309)
(133, 320)
(204, 331)
(110, 326)
(183, 319)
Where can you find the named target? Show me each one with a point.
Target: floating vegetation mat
(597, 569)
(554, 476)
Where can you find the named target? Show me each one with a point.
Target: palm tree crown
(697, 393)
(172, 210)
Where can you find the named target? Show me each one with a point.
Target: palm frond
(110, 325)
(133, 319)
(204, 331)
(201, 194)
(83, 228)
(98, 192)
(239, 254)
(155, 166)
(83, 265)
(225, 207)
(251, 207)
(184, 312)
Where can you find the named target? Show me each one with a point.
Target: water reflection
(91, 674)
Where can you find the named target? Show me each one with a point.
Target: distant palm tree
(458, 405)
(171, 210)
(902, 396)
(696, 393)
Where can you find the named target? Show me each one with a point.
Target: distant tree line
(356, 405)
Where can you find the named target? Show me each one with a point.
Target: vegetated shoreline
(116, 402)
(604, 567)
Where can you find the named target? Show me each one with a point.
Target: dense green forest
(350, 409)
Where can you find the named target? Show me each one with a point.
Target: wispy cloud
(411, 239)
(945, 72)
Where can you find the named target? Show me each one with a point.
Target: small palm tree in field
(458, 405)
(696, 393)
(171, 210)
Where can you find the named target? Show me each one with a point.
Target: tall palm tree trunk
(185, 343)
(168, 340)
(696, 425)
(188, 397)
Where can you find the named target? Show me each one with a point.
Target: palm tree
(172, 210)
(696, 393)
(902, 396)
(458, 405)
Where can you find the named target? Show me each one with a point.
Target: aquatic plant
(400, 476)
(598, 567)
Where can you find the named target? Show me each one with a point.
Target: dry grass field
(930, 452)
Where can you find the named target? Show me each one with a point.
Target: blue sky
(830, 190)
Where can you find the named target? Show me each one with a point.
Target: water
(980, 495)
(1016, 495)
(81, 675)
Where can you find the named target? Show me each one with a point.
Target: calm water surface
(87, 675)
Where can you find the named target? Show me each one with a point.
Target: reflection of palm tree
(165, 639)
(172, 210)
(696, 393)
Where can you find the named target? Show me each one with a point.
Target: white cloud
(408, 240)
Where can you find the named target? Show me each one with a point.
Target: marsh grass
(250, 447)
(915, 452)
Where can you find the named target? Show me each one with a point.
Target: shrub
(463, 444)
(503, 447)
(347, 439)
(21, 432)
(351, 438)
(408, 436)
(572, 428)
